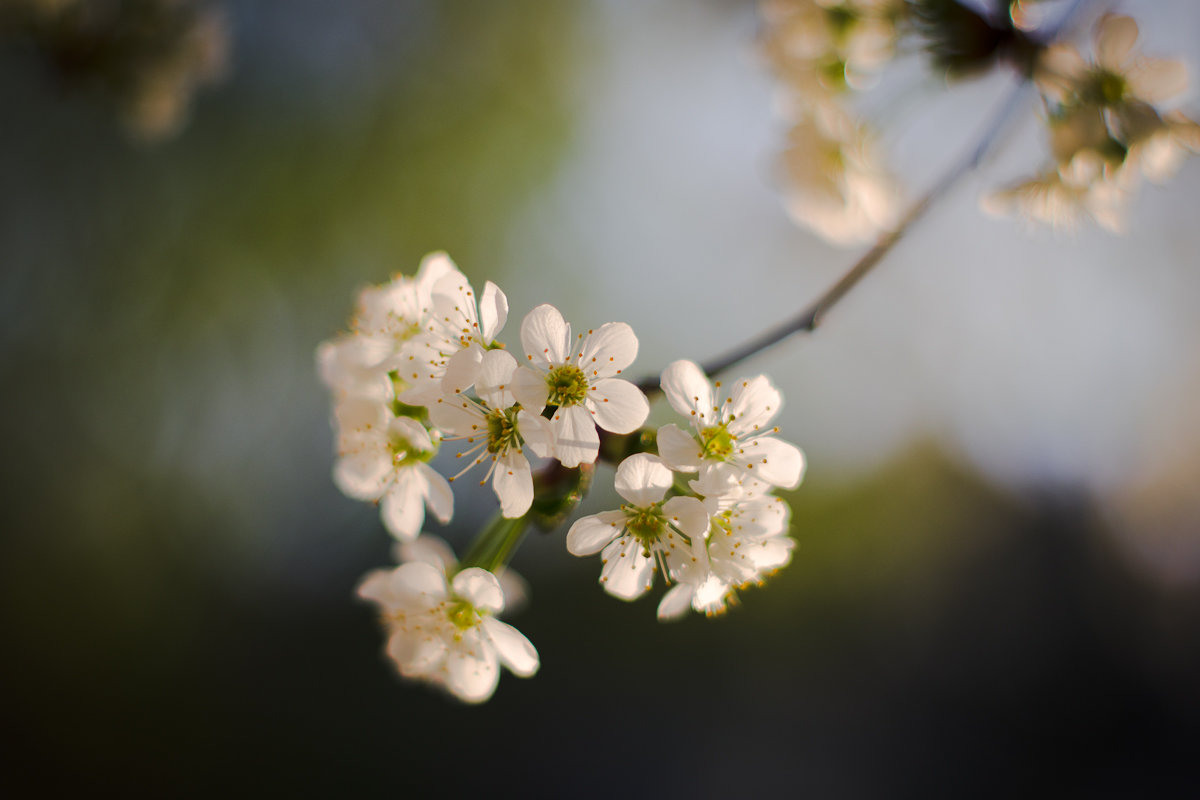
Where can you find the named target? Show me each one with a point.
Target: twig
(812, 316)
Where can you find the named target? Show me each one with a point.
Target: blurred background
(997, 579)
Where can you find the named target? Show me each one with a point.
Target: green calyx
(567, 384)
(716, 442)
(464, 615)
(405, 451)
(841, 19)
(834, 74)
(1111, 87)
(1104, 88)
(502, 430)
(399, 409)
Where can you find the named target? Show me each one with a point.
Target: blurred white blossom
(446, 632)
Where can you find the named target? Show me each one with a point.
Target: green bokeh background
(177, 571)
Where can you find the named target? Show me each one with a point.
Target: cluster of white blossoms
(1108, 127)
(835, 180)
(716, 533)
(422, 367)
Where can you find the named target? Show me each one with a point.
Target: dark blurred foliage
(965, 41)
(177, 570)
(144, 58)
(932, 638)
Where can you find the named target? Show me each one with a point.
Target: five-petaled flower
(385, 458)
(446, 632)
(581, 384)
(497, 427)
(732, 434)
(645, 534)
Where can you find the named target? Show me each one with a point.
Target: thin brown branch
(811, 317)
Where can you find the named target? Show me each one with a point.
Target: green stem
(494, 547)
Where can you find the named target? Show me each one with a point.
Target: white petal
(608, 350)
(376, 586)
(515, 651)
(719, 486)
(472, 674)
(480, 588)
(1157, 80)
(591, 534)
(537, 433)
(427, 548)
(709, 597)
(530, 389)
(753, 404)
(775, 461)
(434, 267)
(462, 370)
(678, 449)
(1115, 36)
(642, 479)
(546, 336)
(454, 305)
(688, 515)
(515, 588)
(418, 580)
(575, 439)
(618, 405)
(363, 476)
(412, 432)
(1059, 69)
(438, 495)
(403, 507)
(688, 391)
(362, 415)
(512, 481)
(415, 656)
(627, 573)
(675, 603)
(771, 554)
(455, 415)
(494, 382)
(761, 517)
(493, 311)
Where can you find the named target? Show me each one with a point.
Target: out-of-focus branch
(811, 317)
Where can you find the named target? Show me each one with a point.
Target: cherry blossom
(446, 632)
(732, 434)
(645, 535)
(579, 379)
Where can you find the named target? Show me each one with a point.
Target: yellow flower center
(568, 386)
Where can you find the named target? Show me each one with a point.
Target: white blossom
(446, 632)
(389, 331)
(730, 435)
(747, 540)
(1119, 75)
(834, 180)
(384, 458)
(579, 378)
(1109, 108)
(645, 535)
(824, 46)
(496, 427)
(437, 551)
(1087, 188)
(461, 330)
